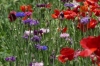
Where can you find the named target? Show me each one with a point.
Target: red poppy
(91, 45)
(97, 12)
(93, 8)
(85, 3)
(56, 14)
(92, 24)
(25, 8)
(91, 2)
(68, 14)
(79, 0)
(24, 18)
(76, 10)
(62, 58)
(87, 52)
(48, 5)
(64, 30)
(95, 0)
(97, 52)
(12, 16)
(98, 60)
(86, 42)
(84, 8)
(66, 54)
(83, 14)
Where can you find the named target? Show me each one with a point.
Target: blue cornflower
(20, 14)
(39, 47)
(68, 5)
(85, 20)
(44, 47)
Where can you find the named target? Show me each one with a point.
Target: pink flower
(28, 32)
(75, 3)
(76, 54)
(45, 30)
(37, 64)
(64, 35)
(28, 13)
(99, 19)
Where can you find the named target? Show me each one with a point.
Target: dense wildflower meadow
(49, 33)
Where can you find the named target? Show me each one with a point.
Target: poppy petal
(54, 16)
(57, 12)
(87, 52)
(64, 30)
(62, 59)
(86, 42)
(66, 51)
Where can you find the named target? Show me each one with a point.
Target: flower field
(49, 33)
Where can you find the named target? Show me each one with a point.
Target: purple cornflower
(61, 15)
(38, 46)
(40, 32)
(37, 32)
(69, 39)
(35, 22)
(68, 5)
(36, 38)
(28, 13)
(7, 58)
(31, 22)
(25, 36)
(30, 64)
(12, 58)
(20, 14)
(85, 20)
(41, 5)
(27, 21)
